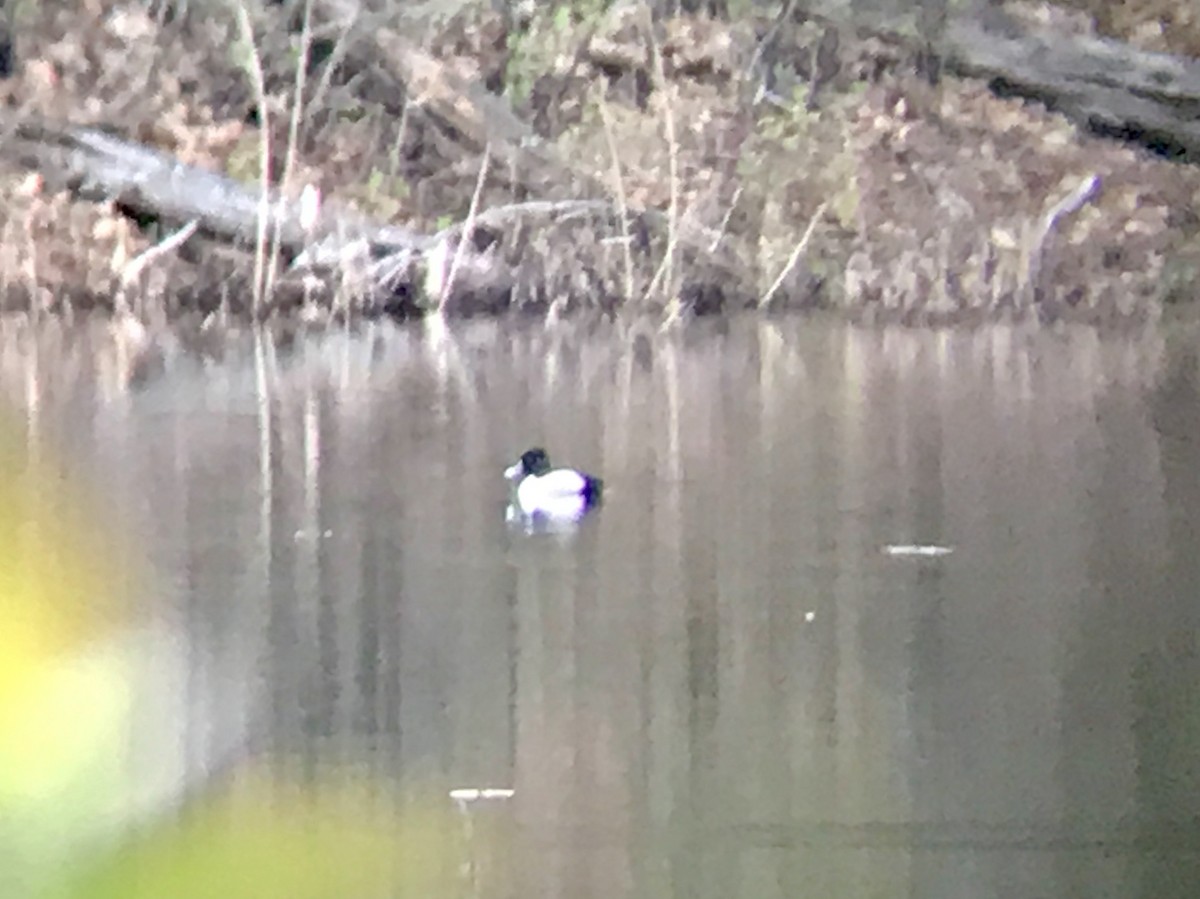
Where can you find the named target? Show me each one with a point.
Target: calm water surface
(721, 685)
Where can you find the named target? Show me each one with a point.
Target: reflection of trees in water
(1164, 675)
(331, 515)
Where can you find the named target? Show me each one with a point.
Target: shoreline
(666, 183)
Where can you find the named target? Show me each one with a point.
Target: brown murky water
(723, 684)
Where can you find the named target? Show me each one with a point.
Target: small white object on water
(474, 794)
(303, 534)
(809, 616)
(922, 550)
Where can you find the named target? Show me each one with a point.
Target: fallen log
(99, 166)
(1102, 84)
(146, 183)
(1099, 83)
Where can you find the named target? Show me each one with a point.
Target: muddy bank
(578, 159)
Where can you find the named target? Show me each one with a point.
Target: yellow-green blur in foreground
(65, 674)
(261, 839)
(95, 800)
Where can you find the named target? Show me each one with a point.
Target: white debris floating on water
(921, 550)
(474, 794)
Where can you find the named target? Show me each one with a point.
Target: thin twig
(785, 15)
(398, 143)
(134, 268)
(1084, 193)
(797, 252)
(720, 235)
(332, 63)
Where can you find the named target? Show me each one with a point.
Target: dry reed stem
(619, 187)
(468, 227)
(31, 267)
(293, 139)
(724, 226)
(261, 277)
(797, 251)
(666, 271)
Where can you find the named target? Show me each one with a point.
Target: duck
(551, 494)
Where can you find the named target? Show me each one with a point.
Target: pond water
(729, 681)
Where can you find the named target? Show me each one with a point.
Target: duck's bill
(513, 471)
